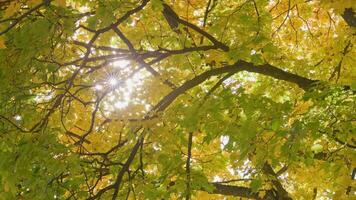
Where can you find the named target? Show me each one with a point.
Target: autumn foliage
(177, 99)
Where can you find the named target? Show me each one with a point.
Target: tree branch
(173, 20)
(187, 164)
(234, 191)
(17, 20)
(266, 69)
(350, 17)
(281, 192)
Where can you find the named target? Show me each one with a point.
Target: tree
(195, 99)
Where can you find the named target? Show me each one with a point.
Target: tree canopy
(177, 99)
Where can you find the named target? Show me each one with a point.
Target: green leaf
(353, 85)
(270, 48)
(255, 184)
(257, 59)
(275, 125)
(157, 5)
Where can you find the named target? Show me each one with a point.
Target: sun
(120, 86)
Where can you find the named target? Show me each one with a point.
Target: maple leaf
(174, 100)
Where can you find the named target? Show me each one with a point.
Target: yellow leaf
(261, 194)
(32, 3)
(61, 3)
(2, 43)
(302, 108)
(13, 7)
(6, 187)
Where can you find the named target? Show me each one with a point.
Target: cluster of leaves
(159, 99)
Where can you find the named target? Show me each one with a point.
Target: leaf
(255, 184)
(61, 3)
(261, 194)
(317, 148)
(99, 93)
(257, 59)
(302, 107)
(270, 48)
(157, 5)
(276, 125)
(32, 3)
(241, 53)
(353, 85)
(2, 43)
(11, 9)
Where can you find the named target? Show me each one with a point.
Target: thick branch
(279, 74)
(281, 192)
(234, 191)
(349, 16)
(119, 177)
(125, 168)
(245, 192)
(266, 69)
(239, 191)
